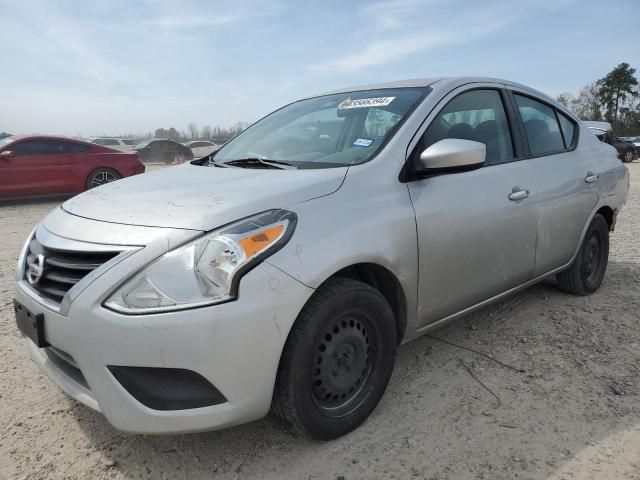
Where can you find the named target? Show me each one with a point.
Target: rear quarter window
(568, 129)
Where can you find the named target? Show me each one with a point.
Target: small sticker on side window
(362, 142)
(365, 102)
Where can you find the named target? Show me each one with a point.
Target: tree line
(614, 98)
(194, 132)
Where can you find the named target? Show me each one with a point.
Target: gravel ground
(573, 413)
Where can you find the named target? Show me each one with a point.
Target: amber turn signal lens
(256, 242)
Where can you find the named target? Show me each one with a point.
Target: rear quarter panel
(126, 164)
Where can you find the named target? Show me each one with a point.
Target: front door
(476, 229)
(35, 167)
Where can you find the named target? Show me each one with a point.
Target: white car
(202, 148)
(122, 144)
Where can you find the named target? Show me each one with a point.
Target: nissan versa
(283, 271)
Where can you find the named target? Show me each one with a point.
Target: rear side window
(477, 115)
(568, 129)
(71, 147)
(541, 126)
(110, 141)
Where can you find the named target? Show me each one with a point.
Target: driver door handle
(518, 194)
(590, 178)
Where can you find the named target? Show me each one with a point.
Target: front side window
(540, 125)
(329, 131)
(476, 115)
(38, 147)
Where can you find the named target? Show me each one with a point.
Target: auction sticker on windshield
(365, 102)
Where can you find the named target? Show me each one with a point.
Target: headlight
(207, 270)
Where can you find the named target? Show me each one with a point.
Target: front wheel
(587, 271)
(337, 360)
(101, 176)
(628, 156)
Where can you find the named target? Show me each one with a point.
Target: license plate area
(30, 324)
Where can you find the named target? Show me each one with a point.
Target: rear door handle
(518, 194)
(590, 178)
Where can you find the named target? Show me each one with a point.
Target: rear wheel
(337, 360)
(587, 271)
(101, 176)
(628, 156)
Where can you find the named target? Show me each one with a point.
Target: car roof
(443, 84)
(47, 137)
(433, 82)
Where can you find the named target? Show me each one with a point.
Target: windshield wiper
(248, 162)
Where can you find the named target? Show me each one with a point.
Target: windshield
(328, 131)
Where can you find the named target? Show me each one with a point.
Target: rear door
(476, 229)
(37, 167)
(567, 180)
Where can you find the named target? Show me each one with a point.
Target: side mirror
(6, 154)
(452, 155)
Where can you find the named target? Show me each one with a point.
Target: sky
(115, 67)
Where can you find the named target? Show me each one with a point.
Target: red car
(42, 165)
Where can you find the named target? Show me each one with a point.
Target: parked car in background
(164, 151)
(627, 151)
(43, 165)
(284, 272)
(202, 148)
(4, 135)
(122, 144)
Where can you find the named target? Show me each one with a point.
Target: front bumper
(235, 346)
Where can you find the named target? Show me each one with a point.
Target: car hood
(201, 198)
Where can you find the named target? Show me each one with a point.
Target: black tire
(587, 271)
(101, 176)
(337, 360)
(627, 156)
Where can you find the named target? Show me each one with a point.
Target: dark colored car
(627, 151)
(43, 165)
(163, 150)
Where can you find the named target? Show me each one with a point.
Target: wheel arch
(608, 214)
(100, 167)
(386, 282)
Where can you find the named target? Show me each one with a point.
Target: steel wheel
(337, 360)
(342, 366)
(585, 275)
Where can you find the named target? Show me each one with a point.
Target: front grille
(62, 269)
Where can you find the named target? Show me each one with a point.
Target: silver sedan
(283, 271)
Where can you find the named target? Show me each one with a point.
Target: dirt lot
(573, 413)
